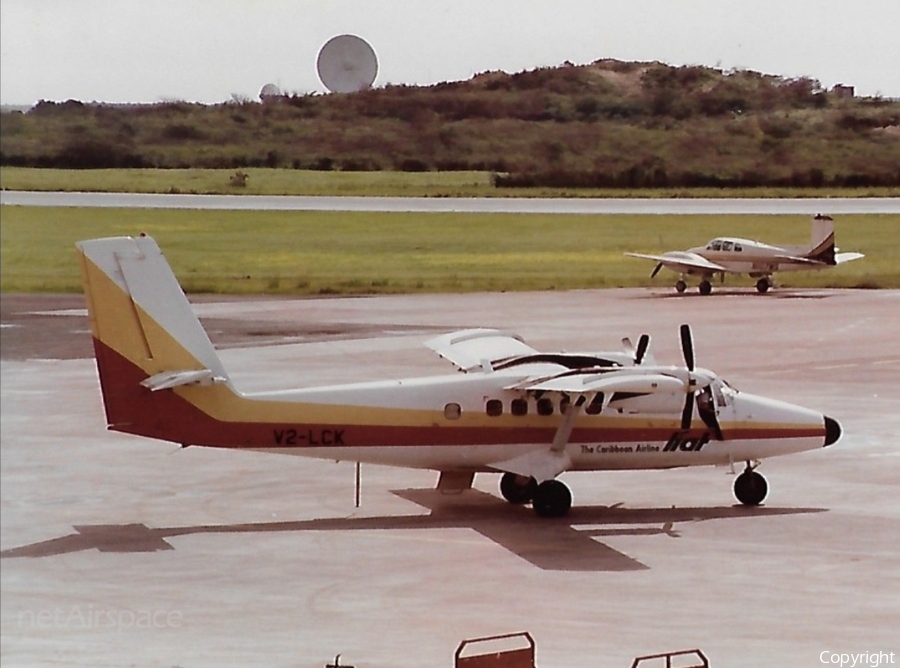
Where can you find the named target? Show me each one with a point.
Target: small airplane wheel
(517, 488)
(750, 488)
(762, 285)
(552, 499)
(680, 286)
(705, 287)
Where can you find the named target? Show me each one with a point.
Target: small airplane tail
(821, 246)
(147, 338)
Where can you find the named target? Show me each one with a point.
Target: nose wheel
(750, 488)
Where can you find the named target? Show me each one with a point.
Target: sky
(210, 51)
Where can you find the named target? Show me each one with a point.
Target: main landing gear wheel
(552, 499)
(763, 285)
(705, 287)
(680, 286)
(517, 488)
(750, 488)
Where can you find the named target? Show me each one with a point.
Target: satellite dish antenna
(269, 91)
(347, 64)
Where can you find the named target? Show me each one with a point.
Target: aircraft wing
(609, 383)
(546, 463)
(681, 261)
(470, 349)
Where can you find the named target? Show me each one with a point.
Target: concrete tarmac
(122, 551)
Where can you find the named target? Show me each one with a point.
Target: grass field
(253, 252)
(263, 181)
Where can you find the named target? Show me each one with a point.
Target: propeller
(638, 353)
(656, 270)
(643, 344)
(687, 414)
(687, 351)
(687, 346)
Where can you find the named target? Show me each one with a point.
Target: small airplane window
(596, 405)
(519, 407)
(738, 248)
(452, 411)
(727, 246)
(716, 245)
(564, 404)
(544, 406)
(494, 407)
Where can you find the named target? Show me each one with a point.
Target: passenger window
(519, 407)
(564, 404)
(717, 245)
(596, 405)
(494, 407)
(727, 246)
(452, 411)
(738, 248)
(544, 406)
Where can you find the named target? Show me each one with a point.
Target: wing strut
(547, 464)
(561, 438)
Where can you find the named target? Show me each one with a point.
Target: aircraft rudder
(822, 246)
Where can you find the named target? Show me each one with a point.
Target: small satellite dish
(269, 91)
(347, 64)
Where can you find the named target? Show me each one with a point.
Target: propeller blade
(656, 270)
(688, 413)
(643, 344)
(687, 347)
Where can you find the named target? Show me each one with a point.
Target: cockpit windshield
(722, 391)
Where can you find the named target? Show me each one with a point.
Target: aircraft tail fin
(821, 246)
(146, 336)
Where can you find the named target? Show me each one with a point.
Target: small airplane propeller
(656, 270)
(637, 353)
(687, 346)
(687, 414)
(643, 344)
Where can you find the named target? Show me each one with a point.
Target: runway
(120, 551)
(575, 205)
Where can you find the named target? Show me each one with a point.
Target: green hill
(608, 124)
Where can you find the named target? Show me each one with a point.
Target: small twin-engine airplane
(730, 255)
(513, 410)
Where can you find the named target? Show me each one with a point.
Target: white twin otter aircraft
(512, 410)
(730, 255)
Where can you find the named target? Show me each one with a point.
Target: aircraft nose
(832, 431)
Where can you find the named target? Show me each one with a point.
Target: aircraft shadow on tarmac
(567, 544)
